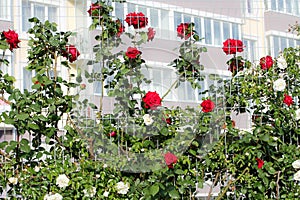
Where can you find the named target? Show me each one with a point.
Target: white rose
(13, 180)
(53, 197)
(122, 188)
(89, 193)
(279, 84)
(281, 62)
(147, 119)
(105, 193)
(62, 181)
(297, 176)
(97, 175)
(296, 164)
(298, 114)
(275, 138)
(37, 168)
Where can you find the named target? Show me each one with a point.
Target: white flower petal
(297, 176)
(296, 164)
(62, 181)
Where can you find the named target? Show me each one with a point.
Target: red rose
(71, 53)
(113, 134)
(150, 34)
(151, 100)
(266, 62)
(137, 20)
(12, 39)
(94, 7)
(184, 30)
(288, 100)
(120, 28)
(132, 52)
(169, 120)
(170, 159)
(232, 46)
(207, 105)
(260, 163)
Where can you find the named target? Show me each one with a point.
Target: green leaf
(174, 194)
(154, 189)
(22, 116)
(33, 126)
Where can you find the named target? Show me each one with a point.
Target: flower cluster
(185, 30)
(71, 53)
(151, 100)
(137, 20)
(207, 105)
(122, 188)
(132, 52)
(12, 38)
(94, 10)
(266, 62)
(170, 159)
(296, 165)
(62, 181)
(232, 46)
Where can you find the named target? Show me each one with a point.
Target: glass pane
(280, 5)
(4, 9)
(154, 17)
(167, 81)
(27, 79)
(291, 43)
(217, 33)
(296, 7)
(165, 25)
(288, 4)
(177, 19)
(39, 12)
(283, 43)
(197, 22)
(273, 5)
(26, 14)
(226, 31)
(276, 45)
(119, 9)
(130, 7)
(52, 14)
(235, 31)
(142, 9)
(186, 19)
(207, 26)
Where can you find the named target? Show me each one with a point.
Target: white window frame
(54, 3)
(7, 8)
(281, 35)
(277, 9)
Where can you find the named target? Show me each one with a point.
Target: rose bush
(144, 149)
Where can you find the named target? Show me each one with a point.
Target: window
(5, 9)
(6, 134)
(285, 6)
(250, 49)
(41, 11)
(7, 69)
(279, 43)
(217, 33)
(208, 32)
(27, 79)
(226, 31)
(119, 10)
